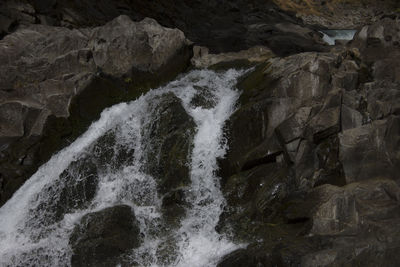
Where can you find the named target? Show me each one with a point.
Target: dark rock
(254, 118)
(293, 127)
(174, 207)
(170, 137)
(350, 118)
(102, 237)
(324, 124)
(222, 26)
(253, 196)
(74, 190)
(54, 82)
(370, 151)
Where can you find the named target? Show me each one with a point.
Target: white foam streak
(27, 238)
(330, 36)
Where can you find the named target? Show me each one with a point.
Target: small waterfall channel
(330, 36)
(112, 163)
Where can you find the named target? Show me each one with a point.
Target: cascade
(109, 165)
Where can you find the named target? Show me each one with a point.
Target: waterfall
(330, 36)
(35, 229)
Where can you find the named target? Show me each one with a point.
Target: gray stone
(57, 63)
(351, 118)
(371, 151)
(103, 236)
(147, 46)
(346, 80)
(325, 123)
(293, 127)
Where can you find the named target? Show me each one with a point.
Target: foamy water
(32, 234)
(330, 36)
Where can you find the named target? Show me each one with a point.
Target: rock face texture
(55, 81)
(311, 177)
(103, 236)
(222, 26)
(313, 181)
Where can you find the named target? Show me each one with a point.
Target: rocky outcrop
(103, 236)
(313, 181)
(56, 81)
(222, 26)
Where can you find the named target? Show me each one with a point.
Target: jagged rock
(351, 118)
(147, 46)
(356, 215)
(293, 127)
(55, 81)
(102, 237)
(345, 143)
(324, 124)
(370, 151)
(253, 196)
(382, 100)
(254, 118)
(60, 62)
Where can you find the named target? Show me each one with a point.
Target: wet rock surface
(170, 141)
(311, 174)
(325, 130)
(56, 81)
(102, 237)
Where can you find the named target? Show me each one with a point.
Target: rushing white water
(330, 36)
(32, 231)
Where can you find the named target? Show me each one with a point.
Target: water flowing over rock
(107, 198)
(101, 237)
(284, 151)
(55, 81)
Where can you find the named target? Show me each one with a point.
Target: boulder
(170, 135)
(102, 237)
(147, 46)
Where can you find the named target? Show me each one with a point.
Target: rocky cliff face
(315, 180)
